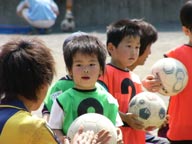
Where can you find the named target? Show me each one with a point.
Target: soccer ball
(150, 108)
(173, 75)
(95, 122)
(68, 24)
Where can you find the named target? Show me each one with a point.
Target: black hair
(149, 34)
(120, 29)
(25, 65)
(186, 15)
(85, 44)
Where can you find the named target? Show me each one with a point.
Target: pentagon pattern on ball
(144, 113)
(149, 107)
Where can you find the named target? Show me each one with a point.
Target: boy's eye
(92, 64)
(137, 47)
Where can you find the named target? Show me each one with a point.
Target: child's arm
(166, 122)
(46, 116)
(131, 120)
(45, 113)
(151, 83)
(56, 120)
(22, 5)
(60, 135)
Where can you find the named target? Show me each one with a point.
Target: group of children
(26, 71)
(78, 92)
(91, 85)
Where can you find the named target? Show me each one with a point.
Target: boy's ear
(110, 47)
(186, 30)
(70, 73)
(101, 71)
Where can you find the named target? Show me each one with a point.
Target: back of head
(149, 34)
(120, 29)
(186, 14)
(87, 45)
(25, 65)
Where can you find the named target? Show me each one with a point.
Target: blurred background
(99, 13)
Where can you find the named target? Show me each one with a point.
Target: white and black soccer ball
(68, 23)
(173, 75)
(95, 122)
(150, 108)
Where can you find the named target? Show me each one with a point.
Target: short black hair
(149, 34)
(25, 65)
(186, 15)
(85, 44)
(120, 29)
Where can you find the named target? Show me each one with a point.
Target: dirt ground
(167, 39)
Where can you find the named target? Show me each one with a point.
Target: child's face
(85, 71)
(126, 52)
(141, 59)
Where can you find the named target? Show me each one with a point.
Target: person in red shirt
(123, 44)
(148, 37)
(180, 104)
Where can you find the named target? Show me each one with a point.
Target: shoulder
(30, 120)
(63, 80)
(66, 94)
(63, 84)
(24, 121)
(176, 51)
(104, 94)
(110, 68)
(111, 99)
(135, 77)
(41, 133)
(60, 86)
(99, 85)
(112, 72)
(25, 127)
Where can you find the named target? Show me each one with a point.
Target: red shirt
(180, 122)
(123, 85)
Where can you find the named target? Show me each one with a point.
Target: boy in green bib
(85, 61)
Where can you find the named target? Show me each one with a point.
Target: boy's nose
(85, 69)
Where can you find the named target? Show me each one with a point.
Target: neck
(118, 65)
(132, 67)
(190, 43)
(28, 103)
